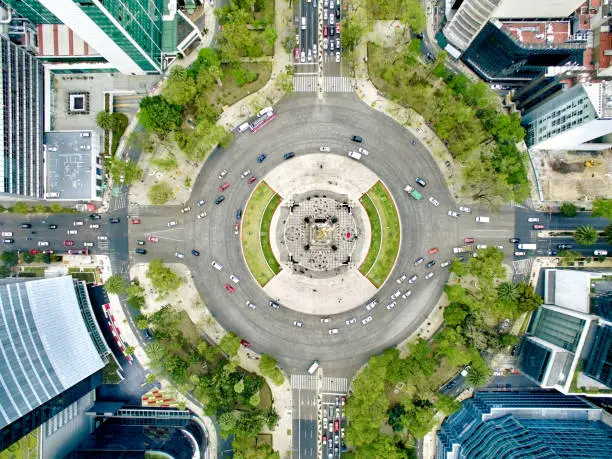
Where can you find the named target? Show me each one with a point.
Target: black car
(195, 253)
(141, 251)
(564, 246)
(147, 333)
(52, 226)
(357, 139)
(274, 304)
(114, 220)
(26, 225)
(514, 240)
(332, 31)
(288, 155)
(337, 12)
(238, 214)
(421, 181)
(219, 199)
(95, 216)
(430, 264)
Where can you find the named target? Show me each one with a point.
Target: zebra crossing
(521, 269)
(337, 84)
(335, 385)
(118, 202)
(305, 83)
(304, 382)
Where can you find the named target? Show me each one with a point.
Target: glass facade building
(21, 119)
(538, 425)
(598, 365)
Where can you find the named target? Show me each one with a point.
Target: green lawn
(255, 234)
(384, 222)
(230, 92)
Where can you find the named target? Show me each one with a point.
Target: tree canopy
(163, 279)
(158, 115)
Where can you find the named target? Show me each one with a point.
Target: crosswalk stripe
(337, 84)
(305, 83)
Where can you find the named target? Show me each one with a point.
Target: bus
(262, 121)
(314, 367)
(527, 246)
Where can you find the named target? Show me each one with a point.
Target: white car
(303, 57)
(337, 43)
(250, 305)
(325, 43)
(172, 223)
(600, 252)
(452, 213)
(391, 305)
(324, 148)
(467, 210)
(331, 4)
(363, 151)
(444, 264)
(94, 226)
(367, 320)
(338, 56)
(333, 331)
(396, 295)
(533, 219)
(331, 45)
(314, 49)
(234, 279)
(218, 266)
(332, 19)
(72, 232)
(434, 201)
(88, 244)
(406, 294)
(102, 238)
(500, 247)
(519, 254)
(354, 155)
(78, 223)
(350, 321)
(43, 244)
(222, 174)
(413, 279)
(246, 173)
(179, 255)
(324, 14)
(202, 215)
(481, 246)
(325, 320)
(297, 323)
(371, 305)
(185, 209)
(309, 55)
(326, 3)
(429, 275)
(401, 279)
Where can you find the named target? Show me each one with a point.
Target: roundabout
(328, 229)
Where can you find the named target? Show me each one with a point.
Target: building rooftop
(45, 344)
(568, 288)
(58, 40)
(538, 32)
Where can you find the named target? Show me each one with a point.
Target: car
(600, 252)
(238, 214)
(336, 425)
(338, 28)
(357, 139)
(324, 438)
(33, 252)
(222, 174)
(469, 240)
(94, 226)
(68, 243)
(481, 246)
(229, 288)
(324, 15)
(302, 56)
(452, 213)
(413, 279)
(354, 155)
(402, 278)
(430, 264)
(297, 323)
(314, 49)
(195, 253)
(432, 250)
(366, 320)
(251, 305)
(74, 223)
(500, 247)
(95, 217)
(201, 202)
(252, 180)
(514, 240)
(218, 266)
(467, 210)
(371, 305)
(363, 151)
(444, 264)
(429, 275)
(43, 243)
(421, 181)
(342, 428)
(29, 225)
(245, 343)
(331, 4)
(564, 246)
(297, 53)
(273, 304)
(140, 242)
(333, 331)
(72, 232)
(135, 221)
(309, 55)
(114, 220)
(236, 228)
(172, 223)
(391, 305)
(395, 295)
(234, 279)
(152, 239)
(533, 219)
(519, 254)
(288, 155)
(337, 56)
(260, 158)
(8, 241)
(102, 238)
(141, 251)
(406, 294)
(418, 261)
(325, 33)
(88, 244)
(551, 253)
(332, 31)
(179, 255)
(434, 201)
(7, 233)
(185, 209)
(332, 19)
(52, 226)
(337, 43)
(538, 227)
(224, 186)
(350, 321)
(219, 199)
(202, 215)
(325, 320)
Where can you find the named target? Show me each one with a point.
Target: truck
(527, 246)
(414, 193)
(463, 249)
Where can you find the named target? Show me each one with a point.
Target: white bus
(314, 367)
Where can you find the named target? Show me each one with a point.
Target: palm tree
(115, 284)
(477, 377)
(507, 292)
(155, 351)
(607, 234)
(585, 235)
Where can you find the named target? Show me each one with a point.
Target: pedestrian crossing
(335, 385)
(304, 382)
(103, 245)
(337, 84)
(305, 83)
(521, 269)
(118, 202)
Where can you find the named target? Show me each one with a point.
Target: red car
(236, 228)
(68, 243)
(245, 343)
(469, 240)
(432, 250)
(336, 425)
(252, 179)
(337, 27)
(152, 239)
(33, 252)
(229, 288)
(297, 54)
(325, 31)
(135, 221)
(538, 226)
(224, 187)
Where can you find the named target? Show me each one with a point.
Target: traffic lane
(557, 221)
(547, 244)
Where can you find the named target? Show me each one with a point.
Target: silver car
(367, 320)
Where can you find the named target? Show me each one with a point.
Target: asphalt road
(302, 125)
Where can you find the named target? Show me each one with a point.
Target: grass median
(385, 229)
(256, 234)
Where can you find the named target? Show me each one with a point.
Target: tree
(9, 258)
(413, 16)
(352, 31)
(115, 284)
(488, 264)
(528, 299)
(602, 208)
(105, 121)
(180, 87)
(507, 292)
(230, 343)
(585, 235)
(227, 422)
(458, 267)
(151, 378)
(420, 419)
(21, 207)
(142, 321)
(607, 234)
(447, 405)
(290, 43)
(266, 363)
(158, 115)
(122, 171)
(270, 35)
(568, 209)
(239, 387)
(395, 413)
(477, 376)
(134, 289)
(454, 314)
(155, 351)
(160, 193)
(255, 399)
(163, 279)
(130, 350)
